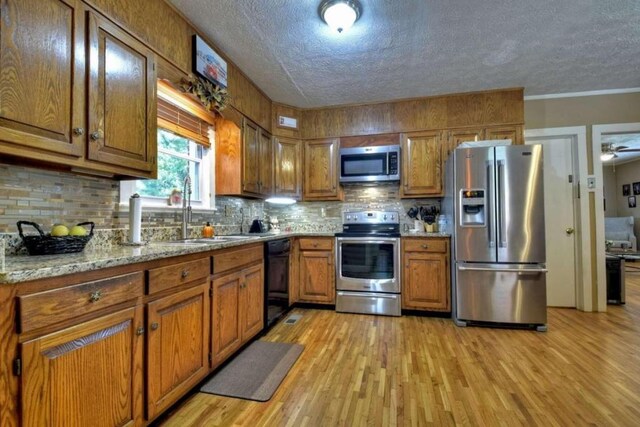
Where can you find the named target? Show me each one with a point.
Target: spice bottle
(207, 230)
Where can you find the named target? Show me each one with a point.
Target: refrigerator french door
(499, 235)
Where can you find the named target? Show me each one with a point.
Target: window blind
(179, 121)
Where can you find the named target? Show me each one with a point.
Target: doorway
(611, 138)
(565, 171)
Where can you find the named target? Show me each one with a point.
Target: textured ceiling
(413, 48)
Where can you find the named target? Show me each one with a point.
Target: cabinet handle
(96, 135)
(95, 296)
(140, 331)
(425, 246)
(78, 131)
(154, 326)
(184, 274)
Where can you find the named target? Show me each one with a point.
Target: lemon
(59, 230)
(77, 230)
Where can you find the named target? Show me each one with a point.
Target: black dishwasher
(276, 293)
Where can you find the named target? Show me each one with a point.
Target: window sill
(124, 207)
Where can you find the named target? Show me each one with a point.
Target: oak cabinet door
(425, 283)
(122, 98)
(317, 277)
(225, 316)
(457, 137)
(177, 345)
(250, 158)
(42, 77)
(321, 169)
(288, 165)
(265, 164)
(514, 133)
(422, 164)
(252, 302)
(88, 374)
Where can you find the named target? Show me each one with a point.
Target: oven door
(368, 264)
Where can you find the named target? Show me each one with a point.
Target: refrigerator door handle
(502, 243)
(489, 204)
(506, 270)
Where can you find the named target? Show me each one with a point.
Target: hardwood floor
(367, 370)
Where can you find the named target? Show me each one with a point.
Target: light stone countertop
(23, 268)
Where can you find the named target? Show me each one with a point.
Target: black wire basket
(45, 244)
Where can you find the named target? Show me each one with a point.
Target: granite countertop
(22, 268)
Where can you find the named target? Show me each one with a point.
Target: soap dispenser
(207, 230)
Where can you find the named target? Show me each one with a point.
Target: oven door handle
(374, 241)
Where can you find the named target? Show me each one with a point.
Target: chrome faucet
(186, 206)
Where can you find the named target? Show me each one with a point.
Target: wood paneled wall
(438, 112)
(288, 111)
(169, 33)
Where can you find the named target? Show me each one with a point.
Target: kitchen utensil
(258, 226)
(413, 212)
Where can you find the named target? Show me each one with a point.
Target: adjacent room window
(183, 148)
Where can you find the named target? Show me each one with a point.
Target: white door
(559, 212)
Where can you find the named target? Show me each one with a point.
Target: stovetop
(370, 224)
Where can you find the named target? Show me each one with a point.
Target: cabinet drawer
(316, 244)
(162, 278)
(425, 245)
(57, 305)
(235, 258)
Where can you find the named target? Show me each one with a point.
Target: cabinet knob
(95, 296)
(425, 246)
(140, 331)
(184, 274)
(78, 131)
(154, 326)
(96, 135)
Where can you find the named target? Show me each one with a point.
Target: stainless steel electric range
(368, 263)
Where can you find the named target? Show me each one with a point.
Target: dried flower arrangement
(212, 96)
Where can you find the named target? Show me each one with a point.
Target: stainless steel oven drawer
(368, 303)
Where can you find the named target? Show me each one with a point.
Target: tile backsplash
(47, 197)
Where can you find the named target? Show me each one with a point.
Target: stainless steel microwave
(370, 164)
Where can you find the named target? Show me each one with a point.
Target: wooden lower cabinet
(225, 316)
(237, 310)
(425, 281)
(87, 374)
(177, 345)
(317, 273)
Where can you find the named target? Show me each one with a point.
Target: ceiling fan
(610, 151)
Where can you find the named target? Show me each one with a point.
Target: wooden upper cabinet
(421, 164)
(250, 157)
(265, 163)
(321, 169)
(288, 167)
(42, 78)
(88, 374)
(122, 98)
(177, 345)
(457, 137)
(514, 133)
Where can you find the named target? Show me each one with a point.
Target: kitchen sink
(211, 240)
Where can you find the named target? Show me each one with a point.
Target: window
(183, 148)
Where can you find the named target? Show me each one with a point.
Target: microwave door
(363, 167)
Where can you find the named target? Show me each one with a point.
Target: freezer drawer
(368, 303)
(501, 293)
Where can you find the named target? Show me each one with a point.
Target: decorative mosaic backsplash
(47, 197)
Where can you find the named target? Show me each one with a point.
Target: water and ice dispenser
(473, 208)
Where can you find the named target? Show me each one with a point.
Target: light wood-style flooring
(382, 371)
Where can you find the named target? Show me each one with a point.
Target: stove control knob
(384, 217)
(348, 217)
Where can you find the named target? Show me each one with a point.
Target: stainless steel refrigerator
(495, 205)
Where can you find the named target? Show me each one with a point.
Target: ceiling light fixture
(605, 157)
(340, 14)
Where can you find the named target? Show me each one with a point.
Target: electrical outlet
(228, 211)
(323, 212)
